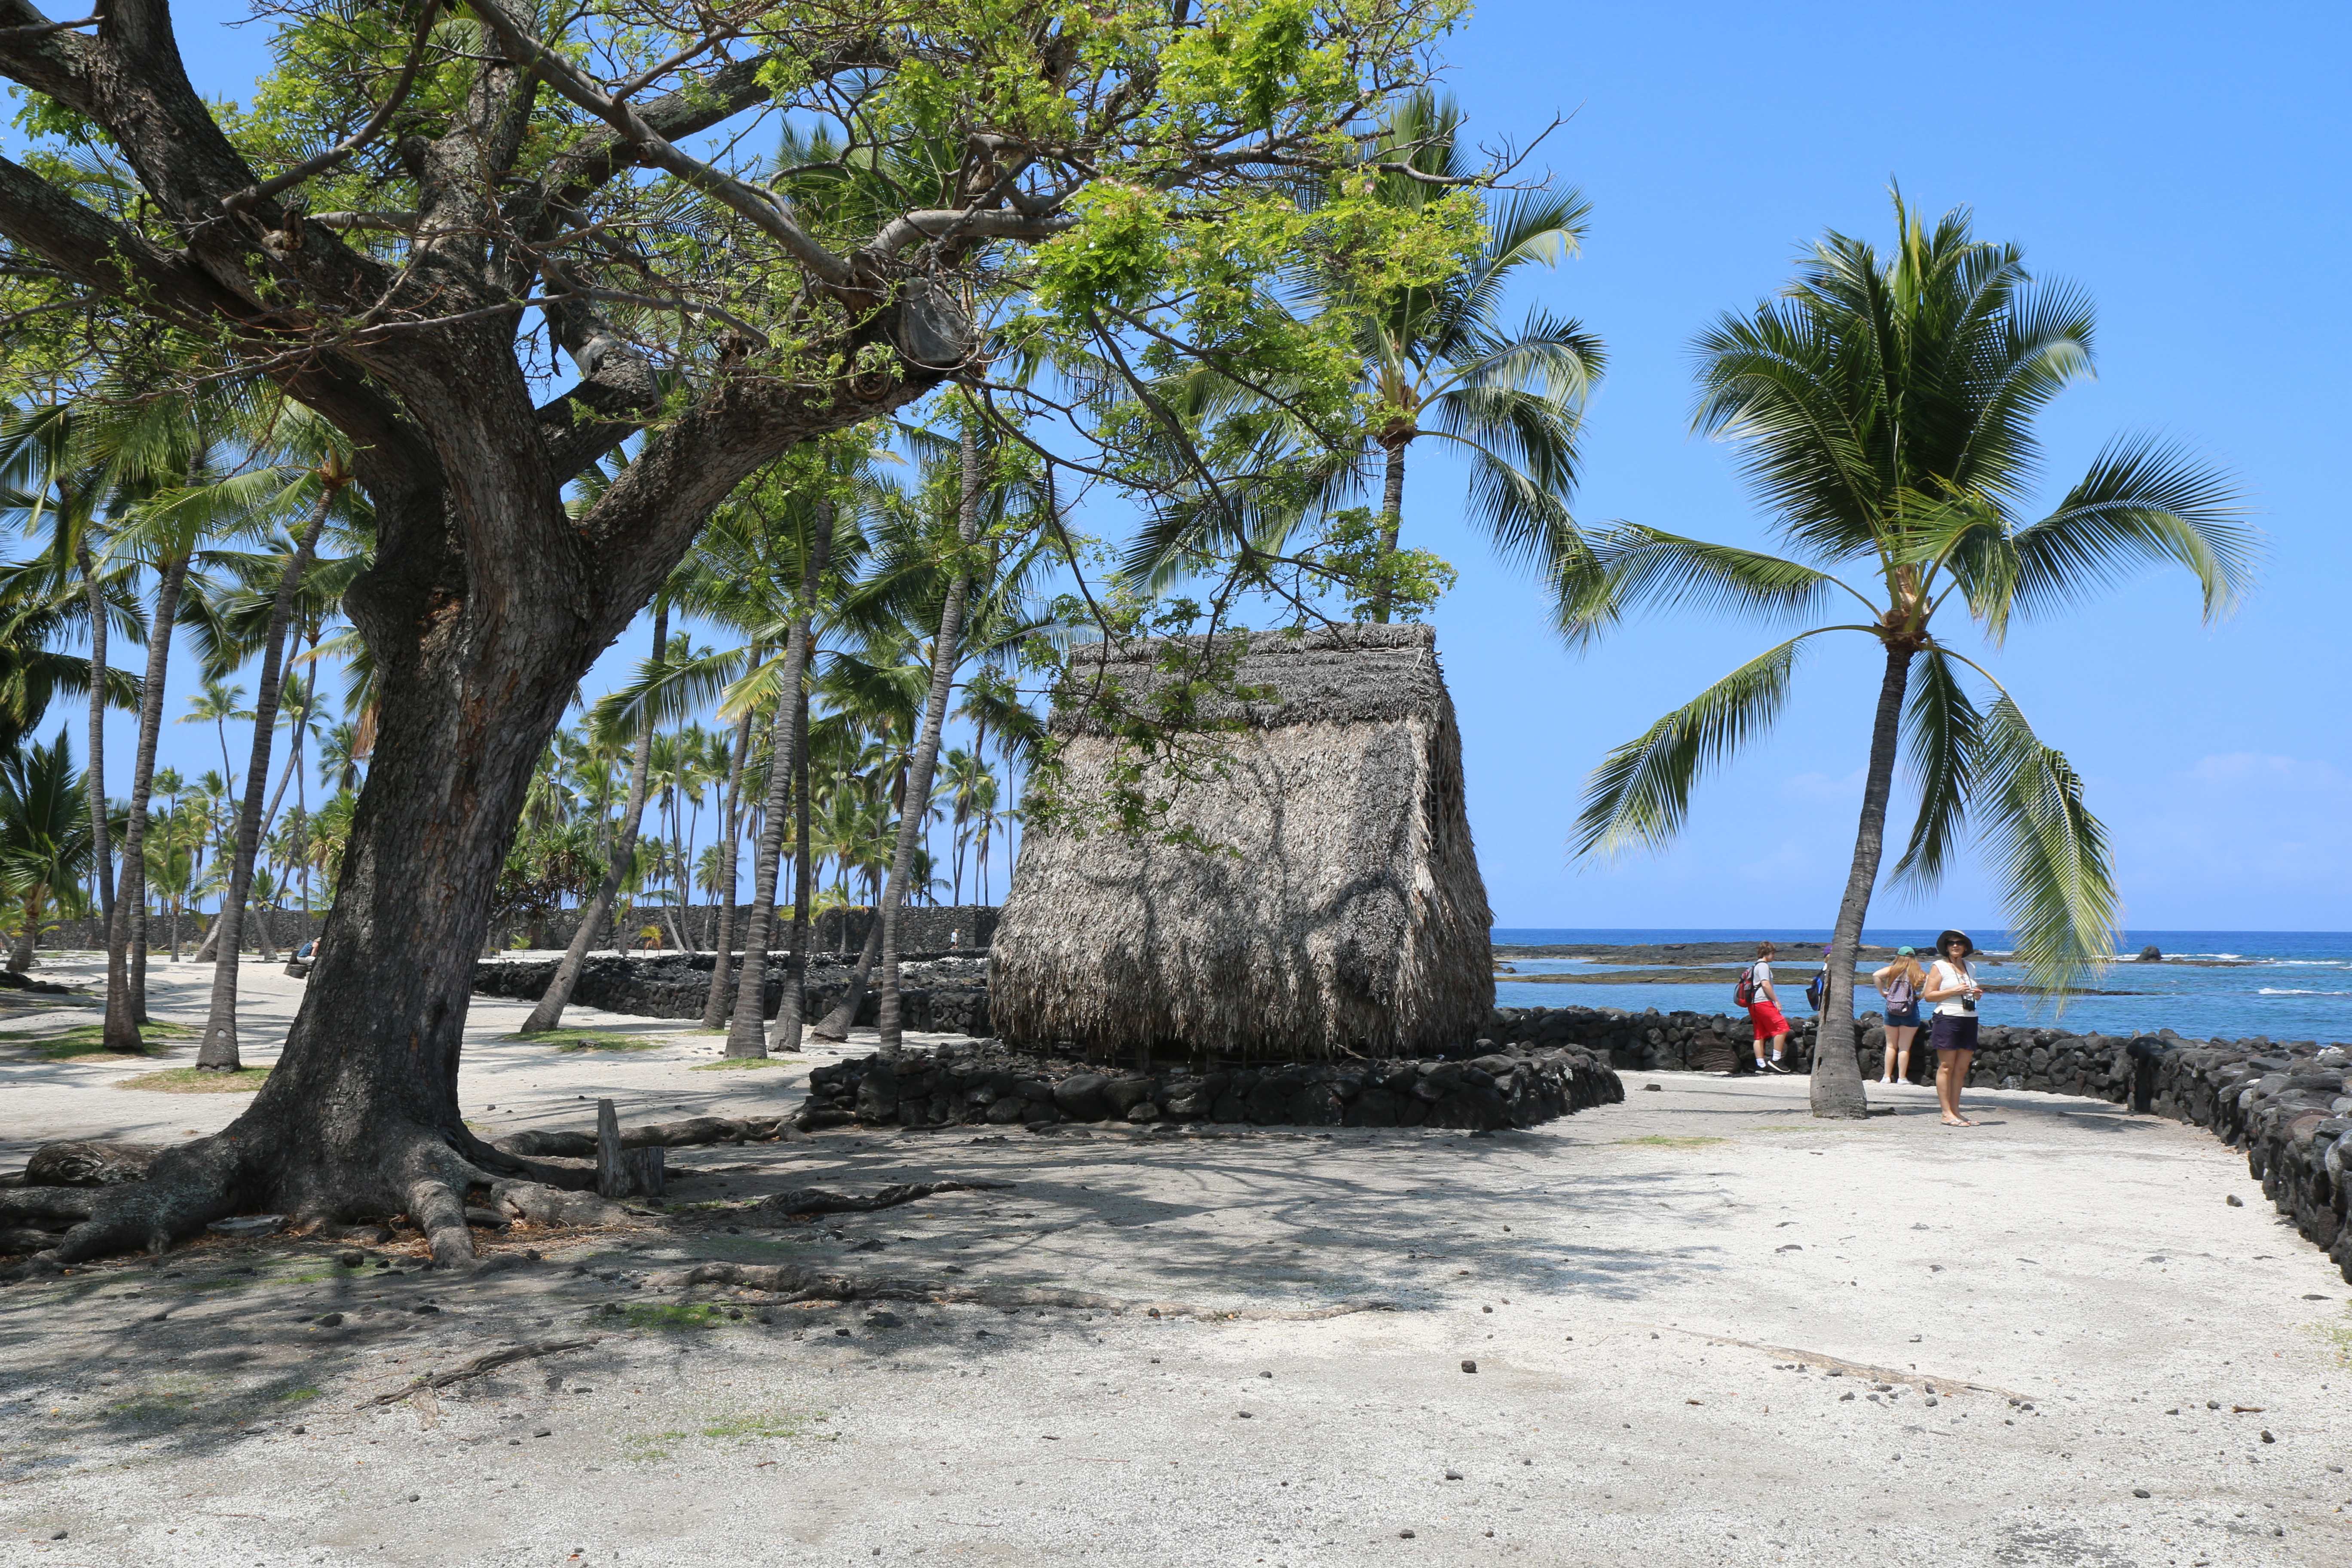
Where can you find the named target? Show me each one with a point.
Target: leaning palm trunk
(123, 1004)
(916, 806)
(1837, 1076)
(747, 1032)
(714, 1005)
(94, 776)
(218, 1051)
(549, 1011)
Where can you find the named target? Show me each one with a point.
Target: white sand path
(1608, 1274)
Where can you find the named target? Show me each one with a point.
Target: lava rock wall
(986, 1083)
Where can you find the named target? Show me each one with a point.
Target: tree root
(668, 1134)
(38, 1204)
(793, 1282)
(489, 1361)
(816, 1200)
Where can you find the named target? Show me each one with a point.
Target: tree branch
(756, 206)
(243, 200)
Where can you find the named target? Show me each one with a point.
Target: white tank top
(1945, 974)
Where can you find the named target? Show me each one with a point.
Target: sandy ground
(1675, 1308)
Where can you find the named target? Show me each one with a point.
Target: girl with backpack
(1901, 982)
(1952, 987)
(1755, 993)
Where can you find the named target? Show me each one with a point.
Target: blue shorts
(1902, 1018)
(1953, 1032)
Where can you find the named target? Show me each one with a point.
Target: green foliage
(1883, 409)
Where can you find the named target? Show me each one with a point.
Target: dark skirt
(1953, 1032)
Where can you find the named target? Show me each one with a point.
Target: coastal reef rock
(938, 992)
(2288, 1106)
(2151, 953)
(1312, 892)
(984, 1083)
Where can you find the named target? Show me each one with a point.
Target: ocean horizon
(2227, 984)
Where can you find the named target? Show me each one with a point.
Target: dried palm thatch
(1339, 908)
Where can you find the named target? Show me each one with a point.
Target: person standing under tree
(1763, 1005)
(1900, 983)
(1952, 987)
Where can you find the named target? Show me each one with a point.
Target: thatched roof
(1339, 908)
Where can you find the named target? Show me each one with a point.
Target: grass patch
(743, 1064)
(295, 1395)
(2337, 1338)
(90, 1040)
(760, 1426)
(674, 1316)
(196, 1080)
(1660, 1140)
(648, 1448)
(572, 1040)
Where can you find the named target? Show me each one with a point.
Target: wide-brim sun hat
(1949, 937)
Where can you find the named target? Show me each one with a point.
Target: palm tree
(316, 480)
(1885, 409)
(45, 844)
(215, 705)
(1437, 365)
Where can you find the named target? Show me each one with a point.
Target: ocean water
(2288, 986)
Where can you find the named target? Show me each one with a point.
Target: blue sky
(2185, 163)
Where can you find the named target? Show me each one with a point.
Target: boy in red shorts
(1764, 1011)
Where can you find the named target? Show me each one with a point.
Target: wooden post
(625, 1172)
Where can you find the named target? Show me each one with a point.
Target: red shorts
(1767, 1019)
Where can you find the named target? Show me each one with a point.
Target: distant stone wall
(922, 928)
(2288, 1106)
(938, 992)
(288, 927)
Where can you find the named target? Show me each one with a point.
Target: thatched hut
(1337, 906)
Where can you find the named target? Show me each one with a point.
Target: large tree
(1884, 408)
(419, 199)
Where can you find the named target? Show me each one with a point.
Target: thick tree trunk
(787, 1036)
(747, 1031)
(129, 923)
(1837, 1078)
(914, 809)
(94, 776)
(549, 1011)
(714, 1004)
(1391, 523)
(217, 1052)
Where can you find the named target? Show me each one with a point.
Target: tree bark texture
(1837, 1091)
(217, 1052)
(129, 922)
(787, 1036)
(487, 599)
(914, 808)
(714, 1004)
(558, 995)
(747, 1029)
(1391, 523)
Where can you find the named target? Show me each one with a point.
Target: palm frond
(2058, 879)
(2142, 502)
(1640, 794)
(1648, 567)
(1943, 733)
